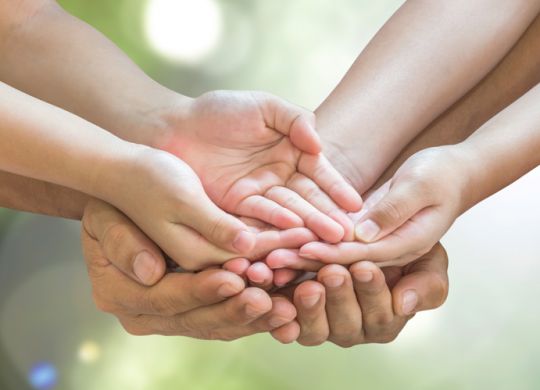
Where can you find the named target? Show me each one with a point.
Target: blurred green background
(485, 337)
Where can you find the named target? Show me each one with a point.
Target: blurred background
(52, 337)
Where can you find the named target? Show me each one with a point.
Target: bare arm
(426, 57)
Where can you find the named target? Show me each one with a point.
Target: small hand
(128, 277)
(404, 218)
(258, 156)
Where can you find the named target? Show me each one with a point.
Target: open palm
(259, 156)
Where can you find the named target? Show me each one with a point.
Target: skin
(94, 100)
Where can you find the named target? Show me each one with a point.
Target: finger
(319, 223)
(375, 300)
(291, 120)
(342, 308)
(342, 253)
(319, 169)
(205, 322)
(289, 258)
(425, 284)
(309, 299)
(409, 242)
(311, 192)
(259, 275)
(268, 211)
(288, 333)
(399, 204)
(218, 227)
(284, 276)
(237, 266)
(175, 293)
(270, 240)
(282, 313)
(123, 244)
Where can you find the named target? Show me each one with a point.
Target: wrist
(154, 118)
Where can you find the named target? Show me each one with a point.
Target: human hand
(404, 218)
(258, 156)
(365, 304)
(128, 278)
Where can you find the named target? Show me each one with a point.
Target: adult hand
(365, 304)
(128, 278)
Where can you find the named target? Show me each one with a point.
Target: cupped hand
(127, 272)
(405, 217)
(259, 156)
(365, 304)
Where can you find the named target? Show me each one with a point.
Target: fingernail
(363, 276)
(333, 281)
(310, 300)
(227, 290)
(144, 267)
(366, 231)
(244, 242)
(409, 301)
(276, 322)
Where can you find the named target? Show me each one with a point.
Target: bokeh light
(43, 376)
(89, 352)
(183, 30)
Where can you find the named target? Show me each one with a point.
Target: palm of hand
(258, 157)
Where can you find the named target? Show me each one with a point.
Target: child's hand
(258, 156)
(166, 199)
(403, 219)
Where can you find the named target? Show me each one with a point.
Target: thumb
(291, 120)
(123, 244)
(401, 202)
(218, 227)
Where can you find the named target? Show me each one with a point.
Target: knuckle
(389, 211)
(345, 342)
(386, 338)
(134, 330)
(103, 305)
(311, 341)
(115, 234)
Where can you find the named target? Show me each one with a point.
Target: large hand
(127, 274)
(257, 156)
(365, 304)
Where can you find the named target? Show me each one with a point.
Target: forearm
(503, 150)
(428, 55)
(518, 72)
(55, 57)
(46, 143)
(25, 194)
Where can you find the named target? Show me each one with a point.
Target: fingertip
(284, 276)
(237, 266)
(287, 333)
(244, 241)
(148, 268)
(256, 301)
(259, 273)
(367, 231)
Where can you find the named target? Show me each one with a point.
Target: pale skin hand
(410, 213)
(258, 157)
(127, 273)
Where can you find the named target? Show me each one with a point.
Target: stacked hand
(244, 181)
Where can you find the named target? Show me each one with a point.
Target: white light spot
(183, 30)
(89, 352)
